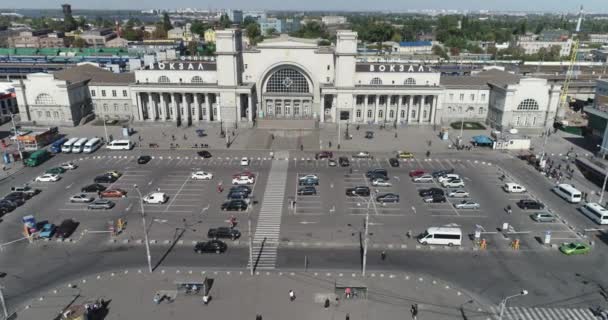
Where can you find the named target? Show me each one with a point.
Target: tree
(199, 27)
(166, 23)
(254, 33)
(160, 32)
(133, 34)
(193, 48)
(249, 20)
(396, 37)
(79, 43)
(225, 21)
(209, 49)
(270, 31)
(454, 51)
(438, 50)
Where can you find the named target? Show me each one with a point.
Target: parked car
(244, 161)
(155, 198)
(7, 206)
(378, 175)
(244, 189)
(308, 182)
(331, 162)
(26, 189)
(388, 198)
(20, 194)
(437, 198)
(201, 175)
(234, 195)
(66, 228)
(101, 204)
(362, 191)
(425, 178)
(459, 193)
(440, 173)
(447, 177)
(307, 191)
(48, 177)
(56, 170)
(234, 205)
(324, 155)
(430, 192)
(404, 155)
(381, 183)
(247, 174)
(223, 232)
(204, 154)
(105, 179)
(527, 204)
(571, 248)
(143, 159)
(511, 187)
(343, 161)
(113, 193)
(47, 231)
(376, 171)
(455, 183)
(394, 162)
(114, 173)
(69, 165)
(95, 187)
(81, 198)
(361, 154)
(543, 217)
(17, 199)
(309, 176)
(243, 180)
(213, 246)
(467, 204)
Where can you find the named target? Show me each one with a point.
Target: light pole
(143, 219)
(15, 133)
(250, 238)
(605, 178)
(366, 230)
(4, 310)
(462, 122)
(503, 303)
(105, 129)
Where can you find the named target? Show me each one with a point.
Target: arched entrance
(287, 93)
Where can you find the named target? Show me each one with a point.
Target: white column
(322, 112)
(334, 109)
(365, 109)
(399, 106)
(174, 106)
(218, 107)
(250, 109)
(420, 108)
(208, 106)
(162, 109)
(377, 108)
(239, 106)
(409, 109)
(433, 109)
(197, 108)
(140, 107)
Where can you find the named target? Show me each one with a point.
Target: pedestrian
(330, 144)
(301, 147)
(395, 135)
(383, 255)
(206, 299)
(111, 138)
(173, 137)
(258, 317)
(347, 316)
(509, 209)
(414, 311)
(292, 296)
(428, 153)
(326, 304)
(409, 234)
(348, 293)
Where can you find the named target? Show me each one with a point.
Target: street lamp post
(4, 310)
(250, 238)
(15, 133)
(605, 178)
(143, 219)
(503, 303)
(366, 230)
(105, 128)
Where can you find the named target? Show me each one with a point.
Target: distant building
(413, 47)
(37, 39)
(333, 20)
(209, 36)
(117, 43)
(182, 33)
(598, 116)
(598, 37)
(98, 37)
(257, 15)
(554, 35)
(236, 16)
(8, 102)
(280, 25)
(532, 47)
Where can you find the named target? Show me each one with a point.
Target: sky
(350, 5)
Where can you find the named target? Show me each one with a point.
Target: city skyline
(317, 5)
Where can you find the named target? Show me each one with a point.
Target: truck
(37, 158)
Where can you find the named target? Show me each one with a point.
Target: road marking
(205, 209)
(69, 186)
(129, 207)
(307, 222)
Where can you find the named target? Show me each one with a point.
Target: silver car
(458, 194)
(543, 217)
(81, 198)
(101, 204)
(467, 205)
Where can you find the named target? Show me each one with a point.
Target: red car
(113, 193)
(324, 155)
(247, 174)
(417, 173)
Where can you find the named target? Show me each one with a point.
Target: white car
(423, 178)
(456, 183)
(381, 183)
(467, 205)
(448, 177)
(243, 180)
(458, 194)
(361, 154)
(69, 165)
(48, 177)
(244, 161)
(309, 176)
(156, 198)
(201, 175)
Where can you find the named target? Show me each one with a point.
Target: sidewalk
(237, 295)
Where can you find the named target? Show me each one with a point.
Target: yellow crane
(563, 99)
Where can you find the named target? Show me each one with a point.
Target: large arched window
(196, 79)
(410, 82)
(528, 104)
(163, 79)
(44, 98)
(376, 80)
(287, 80)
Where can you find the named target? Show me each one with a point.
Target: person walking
(414, 311)
(383, 255)
(292, 295)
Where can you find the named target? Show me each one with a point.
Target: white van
(568, 192)
(67, 146)
(92, 145)
(79, 145)
(156, 198)
(120, 145)
(511, 187)
(449, 236)
(596, 212)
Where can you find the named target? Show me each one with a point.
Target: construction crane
(563, 99)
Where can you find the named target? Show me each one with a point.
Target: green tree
(199, 27)
(225, 21)
(270, 32)
(193, 48)
(160, 32)
(209, 49)
(396, 37)
(438, 50)
(79, 43)
(254, 33)
(249, 20)
(312, 30)
(166, 23)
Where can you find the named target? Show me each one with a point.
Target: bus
(120, 145)
(67, 147)
(92, 145)
(56, 146)
(596, 212)
(79, 145)
(449, 236)
(568, 192)
(37, 158)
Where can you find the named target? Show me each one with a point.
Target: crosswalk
(266, 238)
(520, 313)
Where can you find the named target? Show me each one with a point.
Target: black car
(241, 189)
(376, 171)
(377, 176)
(18, 198)
(234, 205)
(358, 191)
(213, 246)
(66, 228)
(95, 187)
(237, 195)
(440, 173)
(431, 192)
(105, 179)
(7, 205)
(343, 162)
(143, 159)
(308, 182)
(205, 154)
(530, 204)
(307, 191)
(21, 194)
(436, 198)
(223, 232)
(394, 162)
(388, 198)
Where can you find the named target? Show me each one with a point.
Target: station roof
(95, 74)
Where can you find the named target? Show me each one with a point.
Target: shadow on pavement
(175, 240)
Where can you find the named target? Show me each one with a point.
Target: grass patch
(468, 125)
